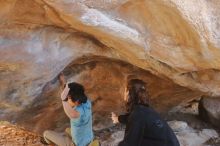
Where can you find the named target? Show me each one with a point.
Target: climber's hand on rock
(62, 79)
(114, 118)
(65, 92)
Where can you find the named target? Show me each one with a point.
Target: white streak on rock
(94, 17)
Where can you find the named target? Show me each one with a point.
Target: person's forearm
(62, 81)
(70, 112)
(62, 86)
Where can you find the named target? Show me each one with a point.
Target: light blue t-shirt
(81, 128)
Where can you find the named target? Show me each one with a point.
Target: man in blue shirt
(78, 108)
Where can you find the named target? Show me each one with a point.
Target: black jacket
(144, 127)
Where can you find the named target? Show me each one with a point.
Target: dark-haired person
(144, 126)
(78, 108)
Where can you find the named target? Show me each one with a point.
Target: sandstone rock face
(209, 110)
(174, 40)
(104, 82)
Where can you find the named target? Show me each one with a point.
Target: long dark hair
(138, 94)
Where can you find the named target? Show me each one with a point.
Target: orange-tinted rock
(104, 82)
(14, 135)
(174, 40)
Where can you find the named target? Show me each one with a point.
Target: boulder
(209, 110)
(176, 42)
(178, 125)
